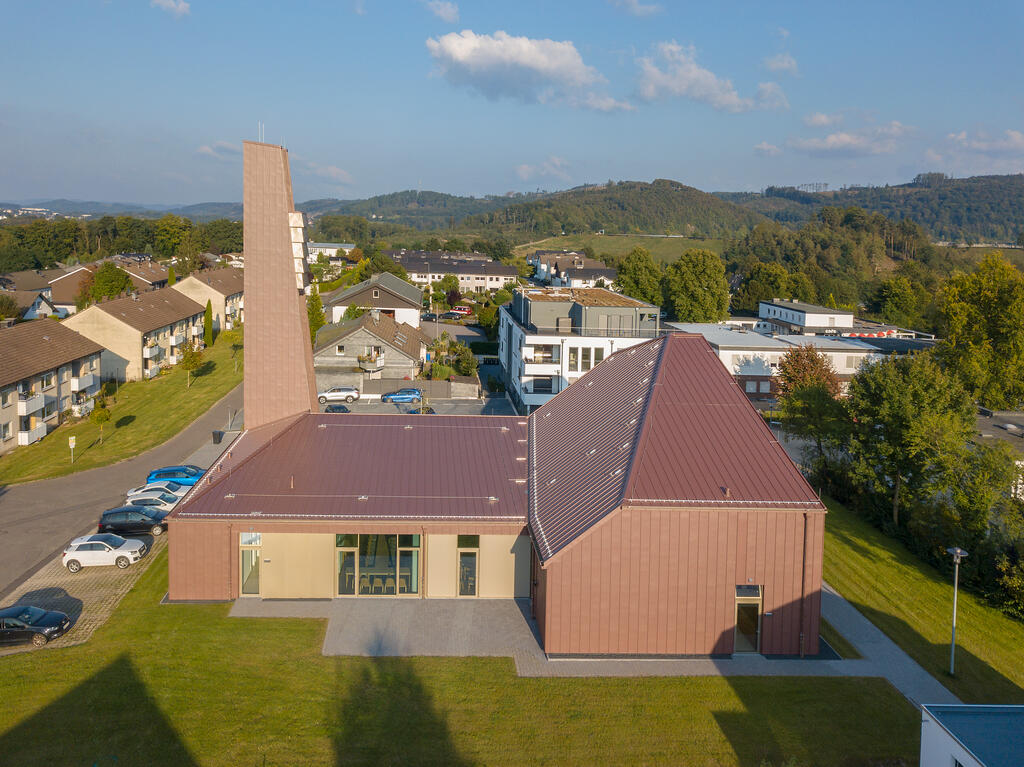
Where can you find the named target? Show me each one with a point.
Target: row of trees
(43, 243)
(691, 289)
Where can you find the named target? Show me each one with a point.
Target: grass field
(663, 249)
(142, 415)
(838, 642)
(184, 684)
(912, 603)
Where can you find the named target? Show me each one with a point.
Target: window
(750, 387)
(340, 350)
(851, 363)
(50, 407)
(598, 355)
(5, 397)
(48, 379)
(585, 360)
(766, 387)
(250, 539)
(574, 359)
(543, 384)
(6, 432)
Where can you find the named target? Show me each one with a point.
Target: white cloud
(531, 70)
(782, 32)
(870, 141)
(636, 8)
(177, 8)
(359, 7)
(556, 167)
(677, 73)
(1011, 143)
(822, 120)
(782, 62)
(330, 172)
(444, 10)
(767, 150)
(220, 150)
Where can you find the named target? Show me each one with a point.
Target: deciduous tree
(109, 281)
(191, 360)
(803, 367)
(8, 307)
(694, 287)
(640, 277)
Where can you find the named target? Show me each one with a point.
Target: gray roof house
(372, 346)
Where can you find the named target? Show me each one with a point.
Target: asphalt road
(464, 333)
(37, 519)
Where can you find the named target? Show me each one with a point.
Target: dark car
(424, 410)
(132, 519)
(451, 316)
(428, 317)
(24, 623)
(336, 409)
(183, 475)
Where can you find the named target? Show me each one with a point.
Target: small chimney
(727, 492)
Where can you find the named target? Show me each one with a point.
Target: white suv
(338, 394)
(155, 500)
(101, 549)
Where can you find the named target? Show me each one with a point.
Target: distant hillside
(975, 209)
(661, 207)
(209, 211)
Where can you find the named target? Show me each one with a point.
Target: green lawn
(912, 603)
(142, 415)
(663, 249)
(184, 684)
(838, 642)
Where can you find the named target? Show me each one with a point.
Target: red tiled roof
(658, 424)
(393, 467)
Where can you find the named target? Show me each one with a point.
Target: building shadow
(53, 598)
(109, 719)
(384, 715)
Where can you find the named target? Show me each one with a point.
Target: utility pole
(958, 554)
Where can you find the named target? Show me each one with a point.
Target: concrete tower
(279, 379)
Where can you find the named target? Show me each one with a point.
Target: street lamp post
(958, 554)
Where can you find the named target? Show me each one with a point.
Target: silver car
(153, 499)
(339, 394)
(163, 486)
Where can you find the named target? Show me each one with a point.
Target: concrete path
(37, 519)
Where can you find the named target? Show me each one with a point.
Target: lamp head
(957, 553)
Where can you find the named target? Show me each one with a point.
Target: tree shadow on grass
(205, 369)
(109, 719)
(124, 420)
(384, 715)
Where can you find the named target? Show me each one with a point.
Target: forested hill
(627, 206)
(422, 210)
(976, 209)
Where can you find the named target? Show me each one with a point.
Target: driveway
(37, 519)
(464, 333)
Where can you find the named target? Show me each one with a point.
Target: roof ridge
(641, 435)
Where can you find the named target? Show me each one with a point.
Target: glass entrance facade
(378, 565)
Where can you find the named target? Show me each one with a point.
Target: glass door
(748, 619)
(251, 571)
(469, 554)
(347, 571)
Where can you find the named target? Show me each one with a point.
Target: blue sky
(148, 100)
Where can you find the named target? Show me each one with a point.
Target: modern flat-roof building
(329, 249)
(549, 337)
(957, 735)
(45, 370)
(787, 316)
(385, 292)
(645, 511)
(141, 332)
(224, 288)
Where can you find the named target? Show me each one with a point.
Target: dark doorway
(748, 627)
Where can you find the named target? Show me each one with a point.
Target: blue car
(402, 395)
(183, 475)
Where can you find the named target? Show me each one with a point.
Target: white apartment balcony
(152, 352)
(173, 359)
(82, 382)
(152, 371)
(228, 324)
(541, 368)
(32, 435)
(196, 330)
(177, 339)
(30, 403)
(83, 409)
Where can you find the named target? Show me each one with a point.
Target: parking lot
(486, 406)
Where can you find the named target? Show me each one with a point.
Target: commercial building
(329, 249)
(142, 332)
(957, 735)
(390, 295)
(549, 337)
(371, 346)
(45, 370)
(223, 288)
(786, 316)
(645, 511)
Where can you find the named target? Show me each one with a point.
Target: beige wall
(504, 566)
(300, 566)
(200, 292)
(442, 566)
(122, 355)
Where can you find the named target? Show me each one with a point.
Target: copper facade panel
(662, 582)
(279, 379)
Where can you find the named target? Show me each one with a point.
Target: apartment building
(549, 337)
(476, 272)
(45, 369)
(223, 288)
(142, 332)
(145, 275)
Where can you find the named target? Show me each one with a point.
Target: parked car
(164, 486)
(133, 519)
(428, 317)
(338, 393)
(103, 549)
(451, 316)
(462, 310)
(183, 475)
(402, 395)
(25, 623)
(154, 500)
(423, 410)
(336, 409)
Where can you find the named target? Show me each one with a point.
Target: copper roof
(152, 309)
(227, 280)
(399, 335)
(584, 296)
(659, 424)
(366, 467)
(29, 348)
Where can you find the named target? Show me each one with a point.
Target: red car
(463, 310)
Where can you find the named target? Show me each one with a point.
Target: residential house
(32, 304)
(333, 250)
(392, 295)
(141, 332)
(959, 735)
(45, 369)
(371, 346)
(576, 271)
(37, 280)
(543, 262)
(475, 272)
(549, 337)
(223, 288)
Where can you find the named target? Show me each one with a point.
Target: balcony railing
(152, 371)
(32, 435)
(83, 409)
(30, 403)
(177, 339)
(152, 352)
(371, 363)
(82, 382)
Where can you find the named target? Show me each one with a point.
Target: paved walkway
(37, 519)
(502, 627)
